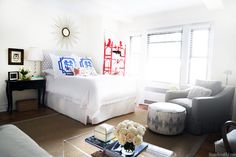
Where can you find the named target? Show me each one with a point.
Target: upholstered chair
(228, 142)
(205, 114)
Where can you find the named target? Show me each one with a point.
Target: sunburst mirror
(65, 32)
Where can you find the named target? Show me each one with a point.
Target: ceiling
(132, 8)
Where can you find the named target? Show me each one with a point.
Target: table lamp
(35, 54)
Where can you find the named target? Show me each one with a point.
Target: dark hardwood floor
(6, 117)
(206, 148)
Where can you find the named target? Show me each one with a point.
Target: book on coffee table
(98, 143)
(113, 148)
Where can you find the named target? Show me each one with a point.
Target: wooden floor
(6, 117)
(206, 148)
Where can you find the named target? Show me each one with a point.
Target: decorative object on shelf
(34, 54)
(15, 56)
(227, 74)
(114, 58)
(23, 74)
(65, 32)
(129, 134)
(13, 75)
(104, 132)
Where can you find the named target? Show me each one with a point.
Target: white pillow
(62, 65)
(197, 91)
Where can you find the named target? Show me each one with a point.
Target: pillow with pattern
(85, 67)
(63, 65)
(84, 71)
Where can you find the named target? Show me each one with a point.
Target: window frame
(185, 54)
(160, 32)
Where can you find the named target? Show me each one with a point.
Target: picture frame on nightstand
(13, 75)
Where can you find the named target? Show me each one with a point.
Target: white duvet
(91, 92)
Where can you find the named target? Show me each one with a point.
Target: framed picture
(15, 56)
(13, 75)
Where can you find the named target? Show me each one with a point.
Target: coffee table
(77, 147)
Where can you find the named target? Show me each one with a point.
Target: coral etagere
(114, 58)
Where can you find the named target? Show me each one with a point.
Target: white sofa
(15, 143)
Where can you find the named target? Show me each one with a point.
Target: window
(179, 55)
(164, 54)
(135, 55)
(199, 54)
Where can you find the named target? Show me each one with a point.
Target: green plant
(23, 74)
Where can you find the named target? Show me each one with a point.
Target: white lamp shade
(35, 54)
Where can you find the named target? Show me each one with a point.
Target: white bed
(92, 99)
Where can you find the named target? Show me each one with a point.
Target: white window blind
(199, 49)
(178, 55)
(164, 53)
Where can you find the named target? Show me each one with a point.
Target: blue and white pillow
(86, 66)
(63, 65)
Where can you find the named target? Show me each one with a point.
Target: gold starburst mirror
(65, 32)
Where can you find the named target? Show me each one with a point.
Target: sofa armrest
(15, 143)
(175, 94)
(218, 106)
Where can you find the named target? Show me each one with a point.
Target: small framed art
(13, 75)
(15, 56)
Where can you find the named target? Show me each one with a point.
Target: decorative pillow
(47, 62)
(49, 72)
(62, 65)
(86, 66)
(76, 71)
(84, 71)
(215, 86)
(197, 91)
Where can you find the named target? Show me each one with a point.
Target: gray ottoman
(166, 118)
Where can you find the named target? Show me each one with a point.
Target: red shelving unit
(114, 58)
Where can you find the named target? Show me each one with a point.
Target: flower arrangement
(129, 134)
(23, 74)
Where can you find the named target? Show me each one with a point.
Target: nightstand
(19, 85)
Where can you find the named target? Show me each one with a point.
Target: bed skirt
(66, 106)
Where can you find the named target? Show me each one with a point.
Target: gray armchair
(204, 114)
(228, 142)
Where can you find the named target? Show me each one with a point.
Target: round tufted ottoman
(166, 118)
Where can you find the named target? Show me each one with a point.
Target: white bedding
(93, 92)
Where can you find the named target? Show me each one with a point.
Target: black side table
(40, 85)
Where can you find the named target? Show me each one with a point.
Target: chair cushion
(215, 86)
(197, 91)
(219, 145)
(185, 102)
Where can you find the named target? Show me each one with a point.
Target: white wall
(30, 23)
(224, 25)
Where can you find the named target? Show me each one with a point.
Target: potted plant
(23, 74)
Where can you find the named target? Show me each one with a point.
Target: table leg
(43, 97)
(39, 97)
(8, 100)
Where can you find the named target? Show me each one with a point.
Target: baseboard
(3, 107)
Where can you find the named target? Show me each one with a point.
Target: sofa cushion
(219, 145)
(15, 143)
(197, 91)
(185, 102)
(214, 86)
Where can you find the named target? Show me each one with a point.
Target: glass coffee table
(77, 147)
